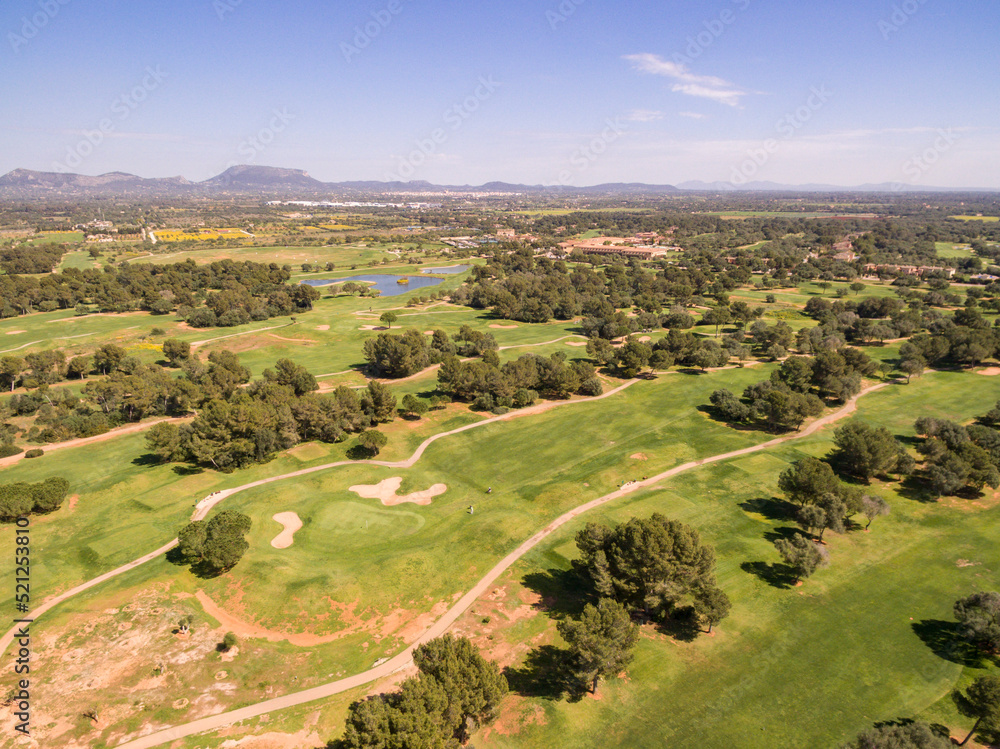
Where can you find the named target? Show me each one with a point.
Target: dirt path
(52, 602)
(543, 343)
(80, 441)
(403, 659)
(196, 344)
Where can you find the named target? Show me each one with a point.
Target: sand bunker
(644, 339)
(16, 332)
(989, 371)
(322, 327)
(503, 327)
(386, 492)
(576, 343)
(290, 523)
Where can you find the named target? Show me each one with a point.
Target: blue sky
(576, 92)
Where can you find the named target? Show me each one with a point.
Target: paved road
(402, 660)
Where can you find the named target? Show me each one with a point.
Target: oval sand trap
(386, 492)
(291, 523)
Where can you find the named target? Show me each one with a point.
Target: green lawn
(809, 666)
(948, 250)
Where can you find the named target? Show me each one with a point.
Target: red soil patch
(241, 628)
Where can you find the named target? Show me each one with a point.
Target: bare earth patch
(290, 523)
(639, 456)
(386, 492)
(290, 340)
(241, 628)
(497, 326)
(644, 339)
(988, 372)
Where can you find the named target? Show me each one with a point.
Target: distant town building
(873, 269)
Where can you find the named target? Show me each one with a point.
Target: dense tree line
(455, 692)
(515, 384)
(238, 422)
(653, 565)
(796, 390)
(21, 499)
(248, 425)
(959, 458)
(33, 259)
(223, 293)
(395, 356)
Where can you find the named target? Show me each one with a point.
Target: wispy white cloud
(686, 82)
(644, 115)
(693, 115)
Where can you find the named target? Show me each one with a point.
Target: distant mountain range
(699, 186)
(275, 182)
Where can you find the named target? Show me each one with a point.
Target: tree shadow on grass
(199, 569)
(946, 641)
(544, 673)
(563, 593)
(682, 625)
(148, 459)
(360, 453)
(772, 508)
(716, 415)
(787, 533)
(186, 470)
(916, 487)
(776, 575)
